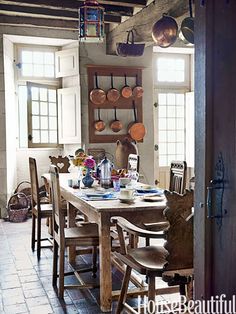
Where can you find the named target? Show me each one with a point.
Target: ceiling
(120, 16)
(62, 14)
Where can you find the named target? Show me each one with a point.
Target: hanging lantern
(91, 22)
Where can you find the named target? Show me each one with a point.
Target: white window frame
(23, 80)
(171, 87)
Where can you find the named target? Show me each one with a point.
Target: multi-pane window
(37, 63)
(172, 81)
(171, 111)
(42, 114)
(37, 97)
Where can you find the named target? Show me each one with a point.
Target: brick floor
(25, 283)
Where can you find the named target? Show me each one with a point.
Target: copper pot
(136, 130)
(97, 95)
(116, 125)
(137, 90)
(165, 31)
(187, 27)
(99, 125)
(113, 94)
(126, 91)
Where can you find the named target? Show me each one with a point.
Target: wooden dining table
(101, 211)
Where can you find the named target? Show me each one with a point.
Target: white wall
(96, 54)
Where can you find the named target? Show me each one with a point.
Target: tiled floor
(26, 283)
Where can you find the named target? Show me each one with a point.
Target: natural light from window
(37, 63)
(170, 70)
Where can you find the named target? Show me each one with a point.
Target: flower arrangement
(79, 159)
(89, 162)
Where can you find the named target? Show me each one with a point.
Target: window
(37, 97)
(172, 82)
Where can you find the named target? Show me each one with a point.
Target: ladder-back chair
(84, 234)
(178, 171)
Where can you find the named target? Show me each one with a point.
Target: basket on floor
(18, 207)
(25, 188)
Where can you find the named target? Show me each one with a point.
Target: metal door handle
(214, 185)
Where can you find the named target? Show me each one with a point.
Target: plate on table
(153, 198)
(127, 200)
(149, 189)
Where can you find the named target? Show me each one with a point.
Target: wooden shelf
(121, 103)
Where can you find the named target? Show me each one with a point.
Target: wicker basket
(18, 207)
(25, 188)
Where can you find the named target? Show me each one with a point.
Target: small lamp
(91, 22)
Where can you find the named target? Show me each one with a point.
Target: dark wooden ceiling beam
(143, 21)
(38, 22)
(115, 6)
(49, 13)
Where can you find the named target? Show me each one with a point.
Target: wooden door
(215, 86)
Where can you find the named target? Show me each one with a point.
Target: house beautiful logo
(216, 305)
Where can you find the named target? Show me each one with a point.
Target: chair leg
(94, 267)
(33, 232)
(61, 272)
(55, 262)
(151, 293)
(124, 288)
(38, 237)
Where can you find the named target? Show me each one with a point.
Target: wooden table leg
(105, 263)
(71, 214)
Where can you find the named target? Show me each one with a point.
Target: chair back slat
(133, 162)
(62, 163)
(34, 182)
(58, 217)
(178, 171)
(179, 236)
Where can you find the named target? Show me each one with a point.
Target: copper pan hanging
(136, 129)
(97, 95)
(137, 90)
(99, 125)
(113, 94)
(126, 90)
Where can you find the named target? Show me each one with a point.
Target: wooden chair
(85, 234)
(62, 163)
(133, 162)
(173, 261)
(39, 210)
(178, 171)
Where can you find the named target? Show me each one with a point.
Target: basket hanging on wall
(130, 49)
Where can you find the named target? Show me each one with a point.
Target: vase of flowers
(89, 164)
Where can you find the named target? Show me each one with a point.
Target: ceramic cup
(127, 194)
(124, 181)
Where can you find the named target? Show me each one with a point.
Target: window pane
(27, 70)
(35, 122)
(35, 107)
(36, 136)
(35, 93)
(180, 99)
(44, 136)
(180, 111)
(44, 122)
(26, 56)
(170, 158)
(162, 136)
(179, 123)
(49, 71)
(171, 111)
(37, 57)
(180, 136)
(52, 109)
(162, 148)
(180, 148)
(44, 108)
(52, 95)
(53, 136)
(52, 123)
(162, 111)
(162, 160)
(171, 124)
(49, 58)
(43, 94)
(171, 148)
(171, 99)
(38, 70)
(162, 124)
(171, 136)
(162, 99)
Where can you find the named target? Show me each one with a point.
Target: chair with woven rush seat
(85, 234)
(39, 210)
(173, 261)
